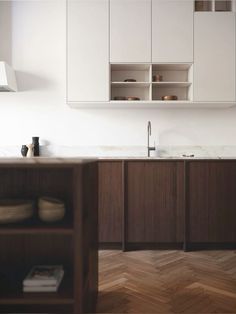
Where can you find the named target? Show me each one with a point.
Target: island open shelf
(71, 242)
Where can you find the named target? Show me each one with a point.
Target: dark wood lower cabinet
(155, 202)
(167, 202)
(212, 201)
(110, 202)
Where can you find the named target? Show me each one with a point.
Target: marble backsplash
(124, 151)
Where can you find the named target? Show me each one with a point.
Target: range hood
(7, 78)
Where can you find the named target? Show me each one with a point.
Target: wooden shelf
(62, 297)
(17, 296)
(131, 84)
(40, 229)
(171, 84)
(121, 67)
(171, 66)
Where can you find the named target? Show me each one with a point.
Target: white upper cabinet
(172, 30)
(88, 50)
(130, 31)
(214, 56)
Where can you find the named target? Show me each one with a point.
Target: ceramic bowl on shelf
(130, 80)
(169, 97)
(50, 209)
(132, 98)
(157, 78)
(15, 210)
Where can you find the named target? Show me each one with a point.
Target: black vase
(35, 141)
(24, 150)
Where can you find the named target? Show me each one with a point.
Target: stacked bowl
(15, 210)
(50, 209)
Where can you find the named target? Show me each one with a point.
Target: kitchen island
(181, 203)
(72, 242)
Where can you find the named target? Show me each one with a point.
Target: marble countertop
(84, 160)
(45, 161)
(167, 158)
(59, 153)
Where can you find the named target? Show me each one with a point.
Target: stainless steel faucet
(149, 133)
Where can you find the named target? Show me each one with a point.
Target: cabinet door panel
(198, 202)
(155, 202)
(110, 201)
(212, 201)
(172, 31)
(88, 50)
(214, 56)
(130, 30)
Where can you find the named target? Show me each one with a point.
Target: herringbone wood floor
(167, 282)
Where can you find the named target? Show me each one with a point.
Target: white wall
(39, 56)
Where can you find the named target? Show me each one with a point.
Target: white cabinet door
(88, 50)
(172, 31)
(130, 31)
(214, 56)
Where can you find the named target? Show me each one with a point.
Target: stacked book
(43, 278)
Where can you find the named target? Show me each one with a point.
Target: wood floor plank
(167, 282)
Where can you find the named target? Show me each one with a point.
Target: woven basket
(51, 209)
(15, 210)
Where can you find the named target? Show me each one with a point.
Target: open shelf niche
(214, 5)
(176, 80)
(139, 72)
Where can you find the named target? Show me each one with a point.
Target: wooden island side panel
(110, 202)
